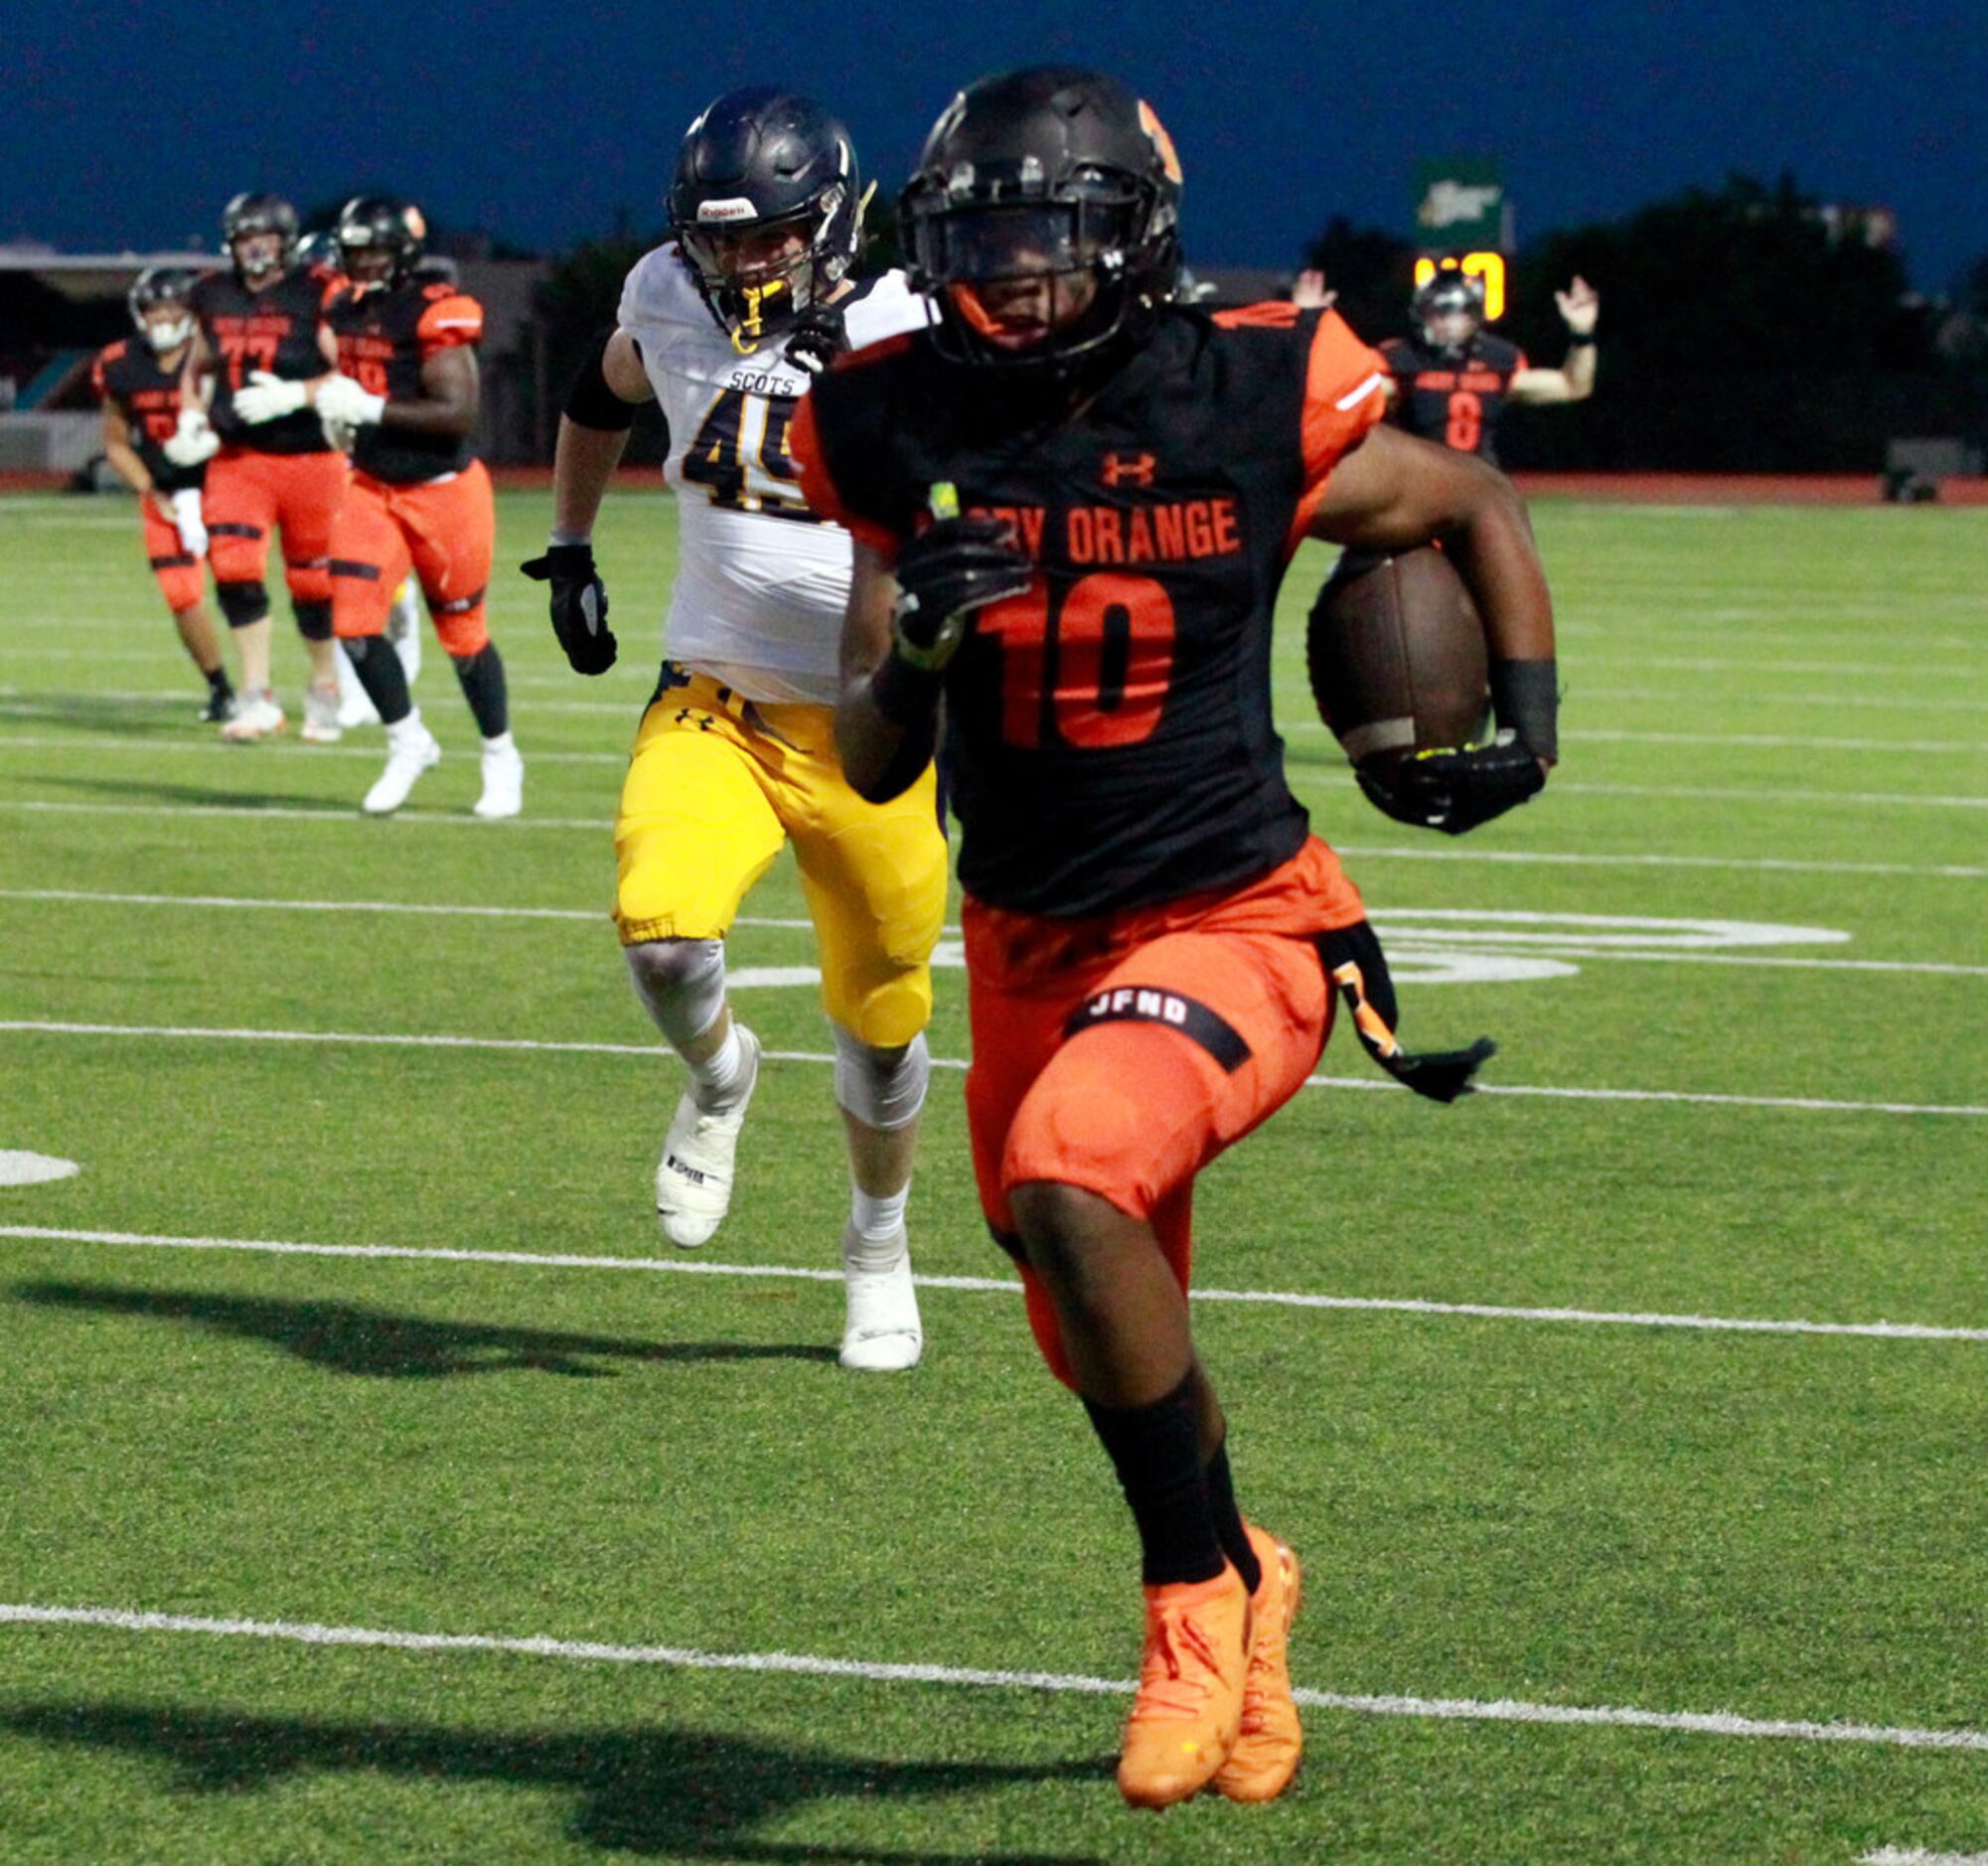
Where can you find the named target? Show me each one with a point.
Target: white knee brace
(882, 1088)
(682, 983)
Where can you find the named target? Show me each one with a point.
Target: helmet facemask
(759, 276)
(155, 291)
(1449, 313)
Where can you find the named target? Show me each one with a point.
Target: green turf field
(1587, 1579)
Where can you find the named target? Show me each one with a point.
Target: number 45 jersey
(1109, 730)
(762, 578)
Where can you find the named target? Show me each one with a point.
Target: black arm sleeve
(591, 403)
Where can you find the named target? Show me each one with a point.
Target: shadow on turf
(353, 1340)
(686, 1793)
(110, 718)
(224, 796)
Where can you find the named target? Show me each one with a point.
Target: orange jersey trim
(455, 318)
(804, 445)
(1345, 384)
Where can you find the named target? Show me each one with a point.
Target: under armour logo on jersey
(1128, 469)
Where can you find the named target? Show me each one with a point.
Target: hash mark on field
(875, 1671)
(1804, 1104)
(1005, 1286)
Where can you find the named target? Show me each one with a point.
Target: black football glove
(1454, 789)
(951, 568)
(580, 605)
(819, 339)
(1356, 965)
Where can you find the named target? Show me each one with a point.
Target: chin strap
(1356, 965)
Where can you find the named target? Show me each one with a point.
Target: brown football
(1396, 653)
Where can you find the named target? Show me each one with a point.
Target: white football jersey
(761, 581)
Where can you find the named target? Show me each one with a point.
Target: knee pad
(682, 983)
(882, 1088)
(461, 627)
(244, 604)
(314, 621)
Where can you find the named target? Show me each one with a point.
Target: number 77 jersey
(762, 578)
(1110, 732)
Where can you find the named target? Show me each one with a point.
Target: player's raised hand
(1308, 292)
(1579, 305)
(951, 568)
(266, 397)
(578, 605)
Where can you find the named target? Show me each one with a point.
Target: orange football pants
(443, 530)
(182, 576)
(1122, 1053)
(251, 494)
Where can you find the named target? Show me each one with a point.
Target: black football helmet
(1046, 171)
(1451, 294)
(369, 223)
(766, 209)
(160, 285)
(258, 214)
(319, 249)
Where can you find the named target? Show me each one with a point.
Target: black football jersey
(1110, 739)
(1455, 404)
(276, 329)
(129, 373)
(383, 337)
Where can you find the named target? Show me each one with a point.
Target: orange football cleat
(1190, 1689)
(1264, 1757)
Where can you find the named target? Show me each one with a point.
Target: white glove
(194, 440)
(340, 400)
(269, 397)
(187, 520)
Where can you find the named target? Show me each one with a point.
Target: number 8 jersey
(762, 578)
(1110, 732)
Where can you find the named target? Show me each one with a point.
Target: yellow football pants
(714, 787)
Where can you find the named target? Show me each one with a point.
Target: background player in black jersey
(1152, 936)
(259, 342)
(407, 392)
(1453, 379)
(139, 385)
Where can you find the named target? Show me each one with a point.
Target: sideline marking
(19, 1167)
(1276, 1298)
(550, 1046)
(873, 1671)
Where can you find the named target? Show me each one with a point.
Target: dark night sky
(130, 126)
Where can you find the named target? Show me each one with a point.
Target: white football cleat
(883, 1333)
(694, 1176)
(503, 783)
(256, 716)
(321, 726)
(410, 750)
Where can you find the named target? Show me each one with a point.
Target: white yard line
(1410, 943)
(1806, 1104)
(1768, 794)
(1275, 1298)
(875, 1671)
(1919, 1856)
(373, 748)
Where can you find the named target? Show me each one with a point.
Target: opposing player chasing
(259, 341)
(138, 384)
(1451, 381)
(407, 392)
(1152, 936)
(736, 753)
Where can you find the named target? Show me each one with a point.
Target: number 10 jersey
(762, 579)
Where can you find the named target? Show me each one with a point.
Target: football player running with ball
(1073, 503)
(407, 392)
(723, 327)
(139, 387)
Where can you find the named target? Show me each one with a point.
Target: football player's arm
(1393, 492)
(119, 450)
(196, 373)
(451, 390)
(1579, 305)
(884, 740)
(593, 433)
